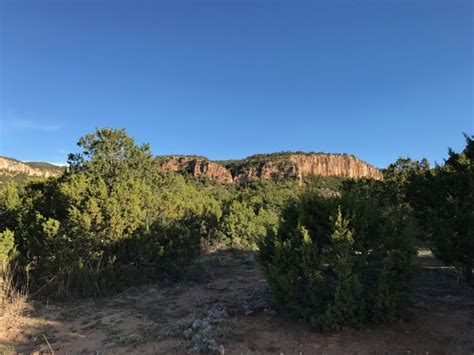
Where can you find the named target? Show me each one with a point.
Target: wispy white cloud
(21, 124)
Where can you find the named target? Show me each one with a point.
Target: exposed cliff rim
(294, 165)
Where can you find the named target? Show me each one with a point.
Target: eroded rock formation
(272, 167)
(346, 166)
(196, 167)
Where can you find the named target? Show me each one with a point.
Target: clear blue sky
(226, 79)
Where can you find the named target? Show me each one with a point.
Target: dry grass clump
(14, 300)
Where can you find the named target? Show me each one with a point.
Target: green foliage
(111, 221)
(7, 247)
(271, 195)
(402, 178)
(403, 168)
(239, 227)
(443, 199)
(342, 261)
(252, 210)
(113, 156)
(7, 177)
(163, 158)
(95, 212)
(328, 186)
(9, 205)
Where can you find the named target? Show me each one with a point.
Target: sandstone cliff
(272, 167)
(346, 166)
(195, 166)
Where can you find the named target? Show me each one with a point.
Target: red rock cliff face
(333, 165)
(197, 167)
(292, 166)
(298, 166)
(266, 171)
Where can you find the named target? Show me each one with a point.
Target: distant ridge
(273, 166)
(13, 169)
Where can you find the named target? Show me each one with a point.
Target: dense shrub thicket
(112, 219)
(341, 261)
(442, 202)
(108, 222)
(349, 259)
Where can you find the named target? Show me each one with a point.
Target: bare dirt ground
(224, 306)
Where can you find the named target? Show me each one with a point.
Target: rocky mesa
(272, 167)
(196, 166)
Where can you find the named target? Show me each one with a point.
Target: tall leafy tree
(112, 155)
